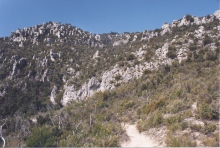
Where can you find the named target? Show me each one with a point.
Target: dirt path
(137, 139)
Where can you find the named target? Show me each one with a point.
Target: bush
(153, 106)
(192, 47)
(189, 18)
(158, 119)
(178, 105)
(205, 111)
(171, 54)
(125, 104)
(211, 56)
(209, 128)
(196, 127)
(184, 125)
(179, 141)
(211, 142)
(172, 48)
(118, 77)
(130, 57)
(207, 40)
(41, 137)
(149, 54)
(143, 87)
(121, 64)
(147, 71)
(173, 119)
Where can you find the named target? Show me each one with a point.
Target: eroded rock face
(182, 54)
(87, 90)
(162, 52)
(96, 55)
(2, 94)
(217, 14)
(53, 94)
(199, 33)
(53, 55)
(14, 69)
(166, 28)
(43, 78)
(117, 75)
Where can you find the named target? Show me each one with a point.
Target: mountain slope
(80, 86)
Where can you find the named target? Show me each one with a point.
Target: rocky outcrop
(122, 41)
(53, 56)
(21, 44)
(14, 69)
(96, 55)
(161, 53)
(2, 94)
(217, 14)
(182, 54)
(87, 90)
(166, 28)
(44, 76)
(115, 76)
(199, 33)
(53, 94)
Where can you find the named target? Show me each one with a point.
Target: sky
(100, 16)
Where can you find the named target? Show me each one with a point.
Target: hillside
(62, 86)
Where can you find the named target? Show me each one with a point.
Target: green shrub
(207, 40)
(136, 62)
(143, 87)
(211, 142)
(205, 111)
(189, 18)
(179, 141)
(172, 48)
(118, 77)
(171, 54)
(178, 105)
(184, 125)
(209, 128)
(196, 127)
(125, 104)
(149, 54)
(130, 57)
(174, 127)
(211, 56)
(100, 131)
(121, 64)
(41, 137)
(173, 119)
(192, 47)
(153, 106)
(158, 119)
(146, 71)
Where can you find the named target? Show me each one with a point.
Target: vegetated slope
(165, 79)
